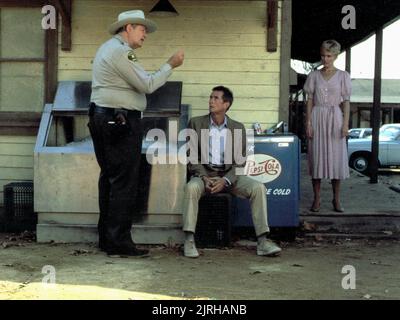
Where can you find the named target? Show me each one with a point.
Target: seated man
(213, 169)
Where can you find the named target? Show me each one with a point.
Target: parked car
(359, 133)
(389, 149)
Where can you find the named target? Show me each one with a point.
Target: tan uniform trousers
(244, 187)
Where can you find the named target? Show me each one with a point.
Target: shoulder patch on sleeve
(131, 56)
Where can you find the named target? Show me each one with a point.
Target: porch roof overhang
(315, 21)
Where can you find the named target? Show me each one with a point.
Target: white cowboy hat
(132, 17)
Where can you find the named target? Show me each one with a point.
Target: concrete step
(93, 218)
(342, 223)
(359, 225)
(352, 236)
(167, 234)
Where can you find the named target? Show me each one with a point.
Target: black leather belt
(111, 111)
(217, 166)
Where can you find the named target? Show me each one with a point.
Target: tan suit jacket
(235, 149)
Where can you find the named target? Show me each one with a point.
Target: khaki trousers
(244, 187)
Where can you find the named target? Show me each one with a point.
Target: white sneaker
(267, 248)
(189, 249)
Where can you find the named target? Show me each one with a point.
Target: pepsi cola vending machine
(275, 161)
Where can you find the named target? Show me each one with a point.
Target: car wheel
(360, 163)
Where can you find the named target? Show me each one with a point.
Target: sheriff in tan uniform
(119, 88)
(119, 80)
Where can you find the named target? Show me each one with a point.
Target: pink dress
(327, 150)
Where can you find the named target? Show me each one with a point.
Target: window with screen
(22, 60)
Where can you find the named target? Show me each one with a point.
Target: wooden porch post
(375, 117)
(272, 25)
(348, 69)
(285, 50)
(64, 7)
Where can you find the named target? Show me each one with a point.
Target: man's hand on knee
(218, 184)
(208, 182)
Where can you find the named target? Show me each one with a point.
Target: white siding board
(224, 43)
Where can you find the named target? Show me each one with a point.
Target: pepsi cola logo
(263, 167)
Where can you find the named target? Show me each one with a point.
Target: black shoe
(338, 207)
(127, 252)
(102, 241)
(314, 208)
(102, 246)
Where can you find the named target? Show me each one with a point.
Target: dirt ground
(390, 177)
(307, 269)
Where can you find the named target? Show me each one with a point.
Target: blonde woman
(327, 124)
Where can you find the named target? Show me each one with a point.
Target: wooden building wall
(16, 160)
(22, 60)
(224, 43)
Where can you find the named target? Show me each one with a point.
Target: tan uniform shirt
(119, 81)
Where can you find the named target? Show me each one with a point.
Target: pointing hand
(177, 59)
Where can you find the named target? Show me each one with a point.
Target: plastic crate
(18, 207)
(213, 223)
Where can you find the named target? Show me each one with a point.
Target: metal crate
(18, 207)
(213, 223)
